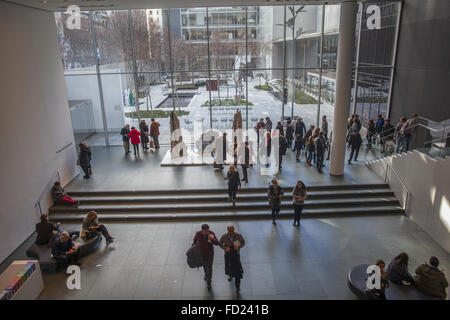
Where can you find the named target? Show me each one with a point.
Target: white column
(347, 24)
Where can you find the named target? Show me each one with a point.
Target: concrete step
(178, 192)
(224, 206)
(242, 197)
(228, 215)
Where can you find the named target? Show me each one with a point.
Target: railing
(387, 180)
(429, 137)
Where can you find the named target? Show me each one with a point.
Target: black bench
(43, 252)
(357, 283)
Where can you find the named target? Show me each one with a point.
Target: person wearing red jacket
(206, 239)
(135, 141)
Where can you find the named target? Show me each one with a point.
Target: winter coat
(144, 132)
(275, 194)
(206, 246)
(355, 140)
(280, 128)
(298, 192)
(85, 157)
(154, 129)
(227, 240)
(430, 280)
(289, 132)
(124, 132)
(325, 126)
(387, 132)
(57, 193)
(397, 272)
(269, 125)
(320, 145)
(134, 135)
(283, 145)
(379, 125)
(233, 180)
(300, 129)
(233, 266)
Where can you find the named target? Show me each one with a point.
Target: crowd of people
(64, 248)
(141, 136)
(428, 278)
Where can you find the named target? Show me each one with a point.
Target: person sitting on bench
(397, 270)
(91, 227)
(60, 196)
(48, 231)
(65, 251)
(430, 280)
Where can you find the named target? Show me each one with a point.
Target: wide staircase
(212, 204)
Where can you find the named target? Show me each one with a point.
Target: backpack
(194, 257)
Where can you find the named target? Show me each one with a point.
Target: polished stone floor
(148, 261)
(115, 171)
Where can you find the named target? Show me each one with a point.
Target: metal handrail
(386, 180)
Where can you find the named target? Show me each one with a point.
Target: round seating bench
(43, 252)
(356, 280)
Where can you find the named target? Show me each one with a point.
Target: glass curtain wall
(375, 62)
(207, 63)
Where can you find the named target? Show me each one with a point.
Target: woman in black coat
(397, 270)
(84, 159)
(234, 182)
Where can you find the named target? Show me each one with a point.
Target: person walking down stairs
(234, 182)
(275, 194)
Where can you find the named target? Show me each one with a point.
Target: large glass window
(206, 63)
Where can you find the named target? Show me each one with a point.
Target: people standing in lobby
(379, 126)
(275, 194)
(84, 159)
(298, 196)
(61, 197)
(232, 242)
(397, 270)
(234, 182)
(65, 251)
(125, 139)
(206, 239)
(154, 133)
(134, 135)
(91, 227)
(354, 142)
(430, 280)
(143, 128)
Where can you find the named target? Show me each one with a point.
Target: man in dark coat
(125, 139)
(65, 251)
(320, 150)
(206, 239)
(289, 132)
(430, 280)
(84, 159)
(231, 243)
(354, 142)
(300, 131)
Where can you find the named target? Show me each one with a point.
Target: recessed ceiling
(61, 5)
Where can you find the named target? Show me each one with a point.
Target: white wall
(83, 86)
(427, 179)
(34, 120)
